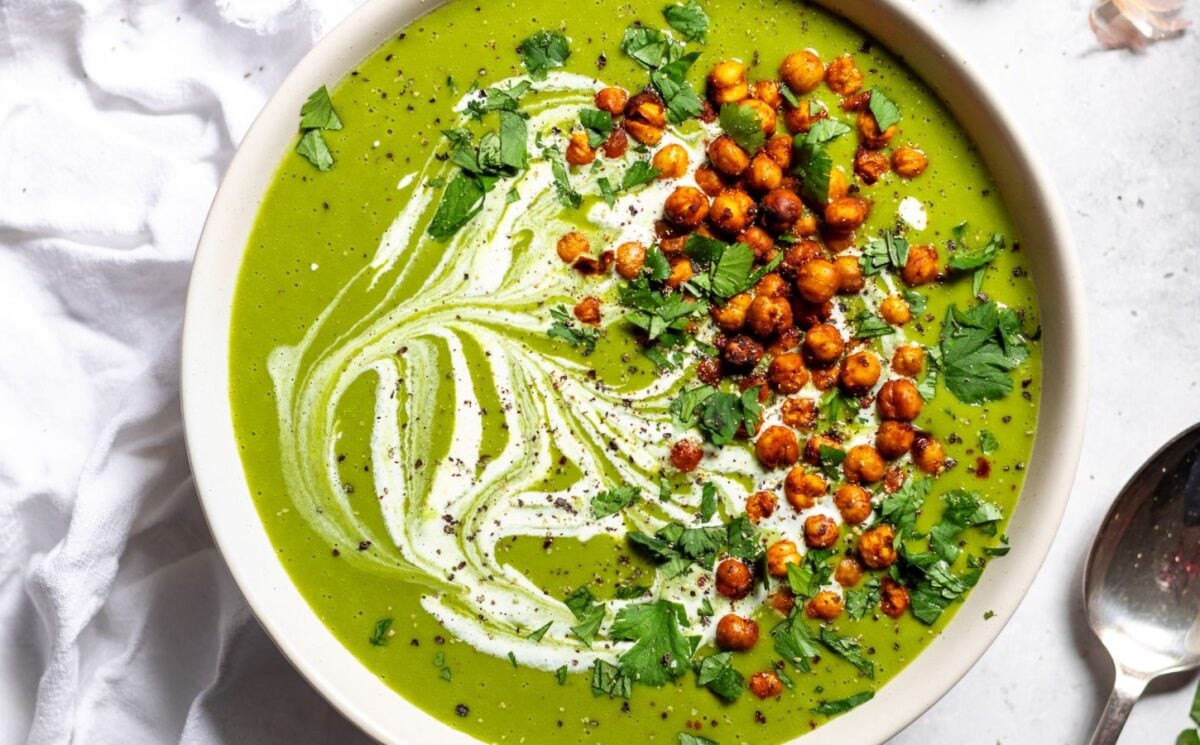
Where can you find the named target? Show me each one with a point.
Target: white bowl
(383, 713)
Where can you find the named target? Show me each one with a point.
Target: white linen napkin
(119, 622)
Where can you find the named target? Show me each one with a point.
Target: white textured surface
(120, 623)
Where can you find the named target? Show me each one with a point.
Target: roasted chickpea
(894, 479)
(727, 156)
(785, 341)
(779, 555)
(802, 488)
(875, 548)
(781, 208)
(894, 439)
(681, 271)
(894, 309)
(772, 285)
(764, 395)
(863, 465)
(770, 315)
(765, 685)
(850, 275)
(779, 149)
(588, 310)
(764, 174)
(860, 371)
(647, 134)
(842, 76)
(869, 134)
(823, 344)
(736, 634)
(856, 101)
(899, 399)
(826, 605)
(817, 281)
(802, 71)
(820, 531)
(732, 211)
(870, 165)
(909, 162)
(731, 316)
(799, 254)
(734, 579)
(686, 454)
(848, 572)
(647, 107)
(765, 113)
(845, 213)
(616, 144)
(800, 119)
(612, 100)
(767, 91)
(908, 360)
(671, 161)
(782, 601)
(799, 413)
(709, 372)
(808, 225)
(727, 82)
(812, 448)
(709, 180)
(921, 267)
(824, 378)
(777, 447)
(579, 152)
(893, 598)
(928, 454)
(787, 373)
(854, 503)
(572, 245)
(759, 241)
(631, 258)
(741, 353)
(839, 185)
(760, 505)
(686, 207)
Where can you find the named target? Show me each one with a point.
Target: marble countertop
(1120, 133)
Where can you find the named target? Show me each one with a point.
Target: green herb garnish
(598, 125)
(614, 500)
(588, 612)
(677, 93)
(537, 635)
(979, 348)
(885, 111)
(717, 674)
(581, 337)
(743, 126)
(689, 19)
(848, 649)
(660, 652)
(871, 326)
(830, 708)
(860, 600)
(313, 148)
(380, 635)
(794, 643)
(544, 51)
(317, 112)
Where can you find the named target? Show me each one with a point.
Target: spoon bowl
(1140, 588)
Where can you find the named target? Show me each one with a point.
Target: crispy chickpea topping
(845, 213)
(765, 113)
(842, 76)
(899, 399)
(727, 82)
(909, 162)
(612, 100)
(921, 266)
(616, 144)
(875, 548)
(894, 439)
(767, 91)
(894, 309)
(727, 156)
(820, 531)
(802, 71)
(573, 245)
(588, 310)
(671, 161)
(860, 371)
(893, 598)
(770, 315)
(631, 258)
(686, 455)
(732, 211)
(825, 605)
(681, 271)
(850, 275)
(863, 465)
(928, 454)
(734, 579)
(686, 207)
(781, 209)
(761, 504)
(799, 413)
(869, 134)
(765, 684)
(779, 555)
(812, 448)
(908, 360)
(579, 152)
(848, 572)
(870, 165)
(802, 488)
(711, 182)
(779, 149)
(741, 353)
(736, 634)
(787, 373)
(777, 447)
(823, 344)
(782, 601)
(854, 503)
(731, 317)
(817, 280)
(800, 119)
(773, 285)
(764, 174)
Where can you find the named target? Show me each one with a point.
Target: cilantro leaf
(539, 633)
(825, 131)
(561, 674)
(660, 652)
(608, 679)
(830, 708)
(588, 612)
(722, 413)
(813, 162)
(831, 459)
(900, 509)
(567, 196)
(640, 172)
(848, 649)
(317, 112)
(806, 578)
(927, 386)
(717, 674)
(677, 93)
(742, 539)
(936, 589)
(871, 326)
(794, 643)
(380, 635)
(462, 200)
(835, 406)
(689, 739)
(312, 148)
(689, 19)
(979, 348)
(964, 509)
(988, 443)
(581, 337)
(708, 501)
(544, 51)
(742, 125)
(497, 99)
(965, 259)
(888, 251)
(860, 600)
(514, 152)
(598, 125)
(729, 267)
(886, 112)
(614, 500)
(649, 47)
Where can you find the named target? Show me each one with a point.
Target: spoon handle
(1127, 687)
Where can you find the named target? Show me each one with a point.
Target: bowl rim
(386, 715)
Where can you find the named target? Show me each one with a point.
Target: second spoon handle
(1127, 687)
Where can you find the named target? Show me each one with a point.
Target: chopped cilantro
(650, 47)
(614, 500)
(964, 509)
(831, 459)
(888, 251)
(689, 19)
(598, 125)
(607, 679)
(871, 326)
(381, 633)
(689, 739)
(835, 407)
(660, 652)
(830, 708)
(663, 318)
(742, 125)
(860, 600)
(794, 643)
(705, 610)
(317, 112)
(989, 615)
(677, 93)
(567, 196)
(717, 674)
(538, 634)
(813, 572)
(512, 658)
(848, 649)
(312, 148)
(629, 592)
(718, 414)
(588, 612)
(497, 99)
(916, 301)
(708, 501)
(561, 675)
(657, 267)
(514, 152)
(544, 51)
(729, 268)
(581, 337)
(640, 172)
(900, 509)
(964, 259)
(988, 443)
(979, 348)
(462, 200)
(886, 112)
(927, 386)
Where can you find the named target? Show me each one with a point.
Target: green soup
(442, 462)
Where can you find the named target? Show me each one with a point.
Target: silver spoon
(1140, 584)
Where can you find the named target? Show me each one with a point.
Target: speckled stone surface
(1120, 133)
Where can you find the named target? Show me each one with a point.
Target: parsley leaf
(317, 112)
(588, 612)
(650, 47)
(689, 19)
(938, 588)
(742, 125)
(640, 172)
(462, 200)
(598, 125)
(614, 500)
(900, 509)
(964, 509)
(886, 112)
(927, 387)
(729, 267)
(813, 162)
(830, 708)
(860, 600)
(835, 406)
(871, 326)
(514, 152)
(831, 459)
(677, 93)
(581, 337)
(380, 635)
(794, 643)
(825, 131)
(717, 674)
(544, 51)
(312, 148)
(721, 414)
(567, 196)
(806, 578)
(848, 649)
(561, 675)
(497, 99)
(979, 348)
(660, 652)
(965, 259)
(662, 318)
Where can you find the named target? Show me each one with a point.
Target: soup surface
(500, 334)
